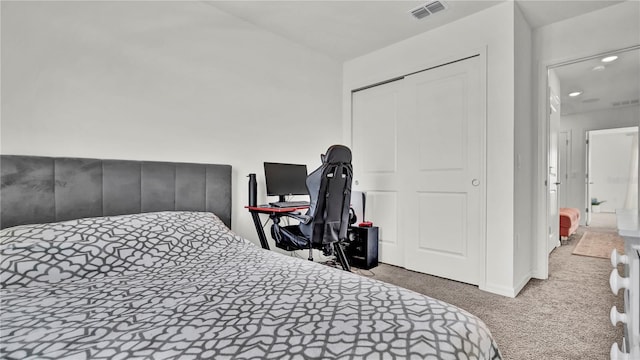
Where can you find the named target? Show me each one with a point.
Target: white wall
(170, 81)
(491, 30)
(523, 183)
(614, 27)
(578, 125)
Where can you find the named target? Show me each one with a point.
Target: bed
(179, 284)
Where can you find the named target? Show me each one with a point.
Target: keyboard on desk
(288, 204)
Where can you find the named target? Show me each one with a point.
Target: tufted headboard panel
(38, 189)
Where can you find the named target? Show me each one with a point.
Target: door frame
(541, 269)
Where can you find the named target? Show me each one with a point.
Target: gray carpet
(564, 317)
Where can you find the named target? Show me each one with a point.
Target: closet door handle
(475, 182)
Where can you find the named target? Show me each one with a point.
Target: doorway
(596, 93)
(612, 174)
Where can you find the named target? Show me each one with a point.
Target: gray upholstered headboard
(38, 189)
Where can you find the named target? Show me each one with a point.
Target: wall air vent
(427, 9)
(625, 102)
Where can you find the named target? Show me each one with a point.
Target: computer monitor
(285, 179)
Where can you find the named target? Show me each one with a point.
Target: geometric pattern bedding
(181, 285)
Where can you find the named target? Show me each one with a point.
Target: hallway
(602, 222)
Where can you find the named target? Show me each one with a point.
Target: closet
(419, 154)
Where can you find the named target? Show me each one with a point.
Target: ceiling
(347, 29)
(343, 30)
(611, 85)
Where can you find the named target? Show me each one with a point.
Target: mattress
(181, 285)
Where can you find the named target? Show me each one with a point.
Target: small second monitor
(285, 179)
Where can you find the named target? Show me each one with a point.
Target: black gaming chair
(325, 224)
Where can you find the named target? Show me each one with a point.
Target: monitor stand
(282, 198)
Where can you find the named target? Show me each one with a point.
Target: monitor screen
(285, 179)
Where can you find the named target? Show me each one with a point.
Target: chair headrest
(337, 154)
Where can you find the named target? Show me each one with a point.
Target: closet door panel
(376, 116)
(445, 218)
(419, 155)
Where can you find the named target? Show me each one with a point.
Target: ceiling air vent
(590, 100)
(427, 9)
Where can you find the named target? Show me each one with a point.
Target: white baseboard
(539, 275)
(519, 286)
(500, 290)
(511, 292)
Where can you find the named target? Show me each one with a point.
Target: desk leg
(260, 230)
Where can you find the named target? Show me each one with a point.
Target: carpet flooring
(599, 244)
(565, 317)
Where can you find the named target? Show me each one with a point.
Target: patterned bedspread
(180, 285)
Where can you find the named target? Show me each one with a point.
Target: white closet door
(444, 218)
(418, 146)
(552, 188)
(376, 115)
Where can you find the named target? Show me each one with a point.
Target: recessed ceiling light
(598, 68)
(575, 93)
(609, 59)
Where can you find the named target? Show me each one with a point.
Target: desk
(273, 212)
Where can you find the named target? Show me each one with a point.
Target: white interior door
(445, 164)
(376, 115)
(552, 177)
(564, 158)
(588, 180)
